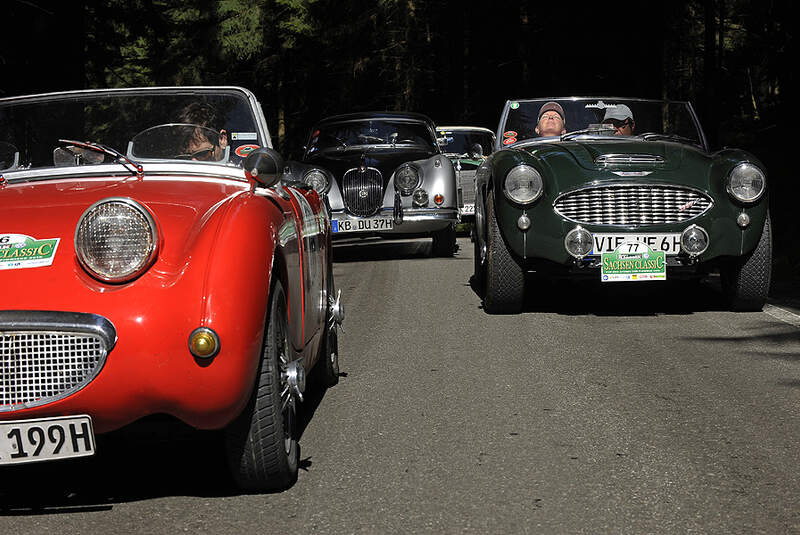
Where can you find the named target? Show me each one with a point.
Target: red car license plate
(44, 439)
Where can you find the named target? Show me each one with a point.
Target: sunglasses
(202, 155)
(616, 123)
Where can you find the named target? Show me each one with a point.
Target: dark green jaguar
(620, 190)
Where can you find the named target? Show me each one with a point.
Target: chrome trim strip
(606, 160)
(49, 320)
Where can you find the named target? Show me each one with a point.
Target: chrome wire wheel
(288, 404)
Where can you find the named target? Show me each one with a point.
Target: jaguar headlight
(116, 240)
(746, 183)
(523, 184)
(406, 179)
(317, 180)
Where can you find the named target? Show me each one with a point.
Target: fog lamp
(694, 240)
(420, 197)
(578, 242)
(203, 343)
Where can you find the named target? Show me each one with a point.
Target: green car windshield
(167, 124)
(609, 118)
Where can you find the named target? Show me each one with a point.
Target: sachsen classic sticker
(19, 251)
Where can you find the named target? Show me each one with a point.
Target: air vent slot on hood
(625, 160)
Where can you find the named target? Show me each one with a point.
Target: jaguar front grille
(42, 366)
(632, 205)
(362, 191)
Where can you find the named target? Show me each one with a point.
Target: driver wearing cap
(621, 118)
(551, 120)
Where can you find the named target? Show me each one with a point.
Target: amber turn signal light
(203, 343)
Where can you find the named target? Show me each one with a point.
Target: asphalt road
(601, 409)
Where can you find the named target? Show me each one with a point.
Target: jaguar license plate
(44, 439)
(362, 225)
(668, 243)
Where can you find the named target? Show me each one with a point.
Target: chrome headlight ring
(746, 183)
(317, 179)
(116, 240)
(406, 178)
(523, 184)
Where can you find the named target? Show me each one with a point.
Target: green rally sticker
(19, 251)
(633, 261)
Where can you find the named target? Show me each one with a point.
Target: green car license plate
(633, 261)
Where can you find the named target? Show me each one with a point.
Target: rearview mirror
(264, 166)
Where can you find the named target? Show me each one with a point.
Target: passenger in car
(551, 120)
(621, 118)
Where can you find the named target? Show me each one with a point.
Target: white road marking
(782, 314)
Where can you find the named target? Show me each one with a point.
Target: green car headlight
(523, 184)
(746, 183)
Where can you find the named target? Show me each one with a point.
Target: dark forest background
(456, 61)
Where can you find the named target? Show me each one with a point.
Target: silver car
(384, 174)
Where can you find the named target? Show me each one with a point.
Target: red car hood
(180, 206)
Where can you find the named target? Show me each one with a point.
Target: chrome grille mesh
(632, 205)
(362, 192)
(40, 367)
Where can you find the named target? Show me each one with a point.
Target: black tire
(505, 279)
(746, 280)
(444, 241)
(261, 443)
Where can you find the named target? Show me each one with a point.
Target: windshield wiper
(130, 165)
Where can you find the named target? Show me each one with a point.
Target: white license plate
(468, 209)
(670, 243)
(44, 439)
(362, 225)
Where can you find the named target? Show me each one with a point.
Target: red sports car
(156, 259)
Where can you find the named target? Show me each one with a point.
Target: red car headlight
(116, 240)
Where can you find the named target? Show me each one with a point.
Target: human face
(550, 124)
(623, 128)
(200, 148)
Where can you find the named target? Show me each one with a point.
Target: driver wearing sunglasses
(621, 118)
(204, 141)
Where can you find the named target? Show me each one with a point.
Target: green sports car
(621, 190)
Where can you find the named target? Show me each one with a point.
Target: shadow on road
(155, 457)
(589, 297)
(378, 249)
